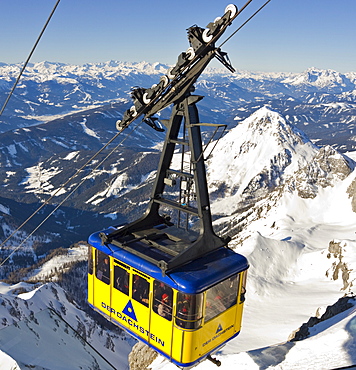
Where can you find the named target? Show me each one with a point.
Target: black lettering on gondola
(133, 324)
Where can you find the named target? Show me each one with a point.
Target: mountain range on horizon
(319, 102)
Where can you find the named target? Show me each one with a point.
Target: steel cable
(29, 57)
(62, 187)
(98, 152)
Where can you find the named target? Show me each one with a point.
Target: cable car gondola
(185, 315)
(177, 288)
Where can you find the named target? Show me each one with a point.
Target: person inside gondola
(183, 313)
(160, 289)
(121, 280)
(165, 307)
(103, 272)
(140, 290)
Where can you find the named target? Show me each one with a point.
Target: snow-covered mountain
(288, 204)
(255, 157)
(320, 102)
(291, 209)
(328, 80)
(43, 329)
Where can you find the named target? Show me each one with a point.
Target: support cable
(29, 57)
(243, 24)
(97, 153)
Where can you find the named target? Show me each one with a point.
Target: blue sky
(287, 36)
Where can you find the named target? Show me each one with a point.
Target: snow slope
(299, 238)
(301, 247)
(332, 345)
(43, 330)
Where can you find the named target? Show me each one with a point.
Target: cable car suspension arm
(184, 74)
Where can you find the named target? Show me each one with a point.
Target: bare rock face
(327, 167)
(339, 268)
(141, 357)
(351, 191)
(341, 305)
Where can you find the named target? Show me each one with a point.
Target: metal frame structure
(181, 244)
(174, 245)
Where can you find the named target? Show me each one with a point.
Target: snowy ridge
(49, 270)
(319, 78)
(34, 335)
(65, 73)
(301, 246)
(255, 157)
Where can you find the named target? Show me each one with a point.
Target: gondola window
(121, 280)
(140, 290)
(189, 310)
(221, 297)
(163, 297)
(102, 267)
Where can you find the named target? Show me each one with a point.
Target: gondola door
(137, 309)
(162, 317)
(101, 286)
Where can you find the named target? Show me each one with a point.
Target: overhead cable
(68, 196)
(28, 58)
(243, 24)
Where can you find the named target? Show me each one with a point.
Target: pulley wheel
(232, 8)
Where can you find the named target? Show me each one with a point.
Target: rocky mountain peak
(255, 157)
(327, 166)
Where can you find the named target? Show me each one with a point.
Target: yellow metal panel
(91, 279)
(190, 346)
(102, 296)
(90, 289)
(177, 344)
(161, 329)
(218, 330)
(211, 335)
(142, 325)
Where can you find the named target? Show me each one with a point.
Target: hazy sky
(288, 35)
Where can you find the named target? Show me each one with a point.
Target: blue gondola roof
(194, 277)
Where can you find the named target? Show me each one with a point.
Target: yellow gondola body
(184, 338)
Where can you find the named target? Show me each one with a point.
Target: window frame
(166, 310)
(189, 310)
(216, 302)
(99, 259)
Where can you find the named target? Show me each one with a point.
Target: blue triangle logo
(129, 311)
(218, 330)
